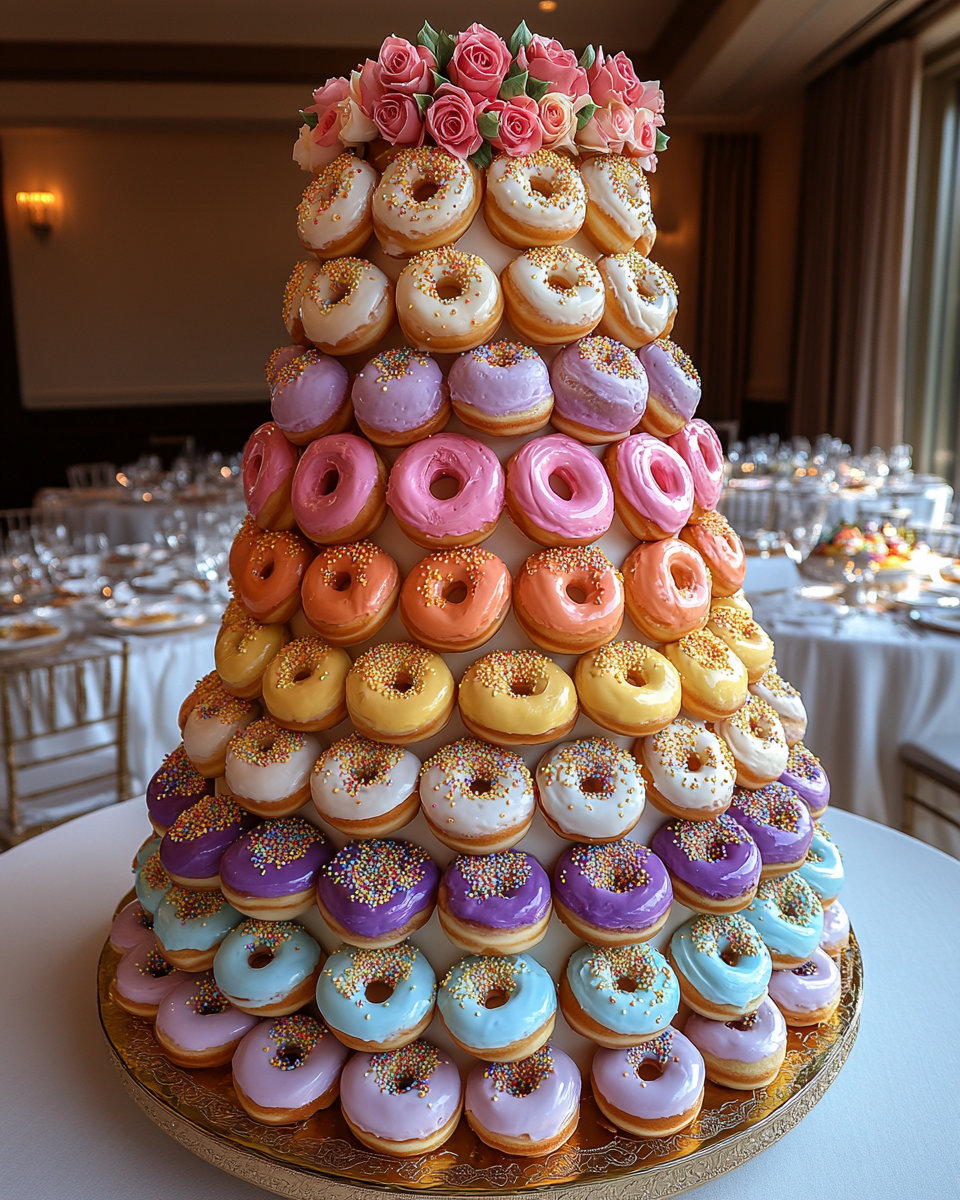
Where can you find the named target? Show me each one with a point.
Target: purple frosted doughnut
(307, 393)
(194, 845)
(174, 788)
(615, 1076)
(600, 384)
(672, 377)
(131, 926)
(618, 886)
(747, 1039)
(277, 858)
(374, 887)
(536, 1097)
(288, 1062)
(777, 820)
(808, 779)
(716, 859)
(499, 891)
(398, 393)
(500, 379)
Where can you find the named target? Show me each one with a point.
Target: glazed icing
(214, 719)
(599, 383)
(782, 697)
(668, 588)
(424, 605)
(823, 868)
(776, 819)
(372, 694)
(700, 448)
(535, 1097)
(544, 584)
(746, 1040)
(132, 925)
(343, 296)
(175, 786)
(668, 754)
(807, 778)
(358, 779)
(655, 481)
(288, 1062)
(294, 956)
(472, 789)
(308, 391)
(421, 306)
(277, 858)
(616, 1076)
(590, 788)
(376, 886)
(808, 987)
(333, 482)
(647, 1007)
(371, 576)
(399, 391)
(673, 381)
(195, 1015)
(546, 699)
(266, 762)
(197, 840)
(500, 379)
(697, 947)
(508, 188)
(152, 881)
(144, 975)
(509, 890)
(402, 1095)
(336, 202)
(538, 274)
(341, 991)
(300, 279)
(589, 511)
(190, 920)
(278, 360)
(269, 461)
(618, 186)
(788, 916)
(836, 926)
(531, 999)
(480, 496)
(717, 858)
(621, 885)
(645, 292)
(149, 848)
(395, 208)
(756, 738)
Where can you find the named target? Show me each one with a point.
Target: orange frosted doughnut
(569, 599)
(667, 589)
(349, 591)
(456, 599)
(721, 549)
(268, 582)
(246, 538)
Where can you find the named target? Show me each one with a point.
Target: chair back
(92, 475)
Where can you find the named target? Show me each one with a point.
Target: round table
(887, 1126)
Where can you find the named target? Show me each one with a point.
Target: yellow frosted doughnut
(713, 679)
(517, 698)
(303, 685)
(628, 688)
(244, 649)
(751, 644)
(398, 692)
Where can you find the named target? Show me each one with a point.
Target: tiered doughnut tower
(514, 848)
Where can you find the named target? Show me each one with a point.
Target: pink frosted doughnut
(269, 462)
(631, 1094)
(528, 1107)
(310, 396)
(465, 518)
(543, 514)
(132, 925)
(700, 449)
(808, 994)
(197, 1026)
(338, 489)
(652, 486)
(287, 1068)
(144, 978)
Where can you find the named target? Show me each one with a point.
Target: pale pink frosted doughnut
(652, 486)
(699, 447)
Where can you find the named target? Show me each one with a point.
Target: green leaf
(489, 124)
(310, 119)
(445, 47)
(584, 115)
(587, 58)
(483, 157)
(537, 88)
(423, 101)
(515, 69)
(662, 139)
(521, 36)
(514, 86)
(439, 80)
(428, 37)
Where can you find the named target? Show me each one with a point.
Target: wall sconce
(38, 209)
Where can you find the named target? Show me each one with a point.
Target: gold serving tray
(319, 1159)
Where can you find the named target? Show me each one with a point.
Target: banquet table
(124, 519)
(886, 1128)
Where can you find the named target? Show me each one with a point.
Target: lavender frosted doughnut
(288, 1068)
(499, 903)
(528, 1107)
(309, 396)
(654, 1106)
(192, 848)
(175, 786)
(700, 448)
(778, 821)
(542, 513)
(400, 396)
(501, 388)
(278, 360)
(197, 1026)
(744, 1053)
(131, 926)
(143, 978)
(616, 894)
(674, 387)
(810, 993)
(652, 487)
(836, 929)
(599, 390)
(714, 865)
(375, 892)
(808, 779)
(272, 871)
(337, 492)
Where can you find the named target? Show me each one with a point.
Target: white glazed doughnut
(553, 295)
(268, 768)
(619, 217)
(641, 299)
(347, 307)
(534, 200)
(366, 788)
(448, 301)
(426, 198)
(756, 740)
(785, 700)
(590, 790)
(689, 771)
(334, 215)
(300, 279)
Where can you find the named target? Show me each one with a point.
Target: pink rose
(398, 118)
(548, 61)
(644, 133)
(452, 122)
(480, 62)
(559, 120)
(651, 97)
(614, 79)
(369, 88)
(520, 130)
(326, 104)
(405, 68)
(610, 130)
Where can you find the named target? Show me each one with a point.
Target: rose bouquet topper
(473, 94)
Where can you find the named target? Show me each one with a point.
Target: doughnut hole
(496, 998)
(341, 581)
(694, 761)
(403, 682)
(543, 187)
(636, 678)
(378, 991)
(292, 1054)
(445, 487)
(260, 957)
(424, 190)
(683, 578)
(648, 1071)
(577, 593)
(303, 674)
(595, 785)
(729, 956)
(481, 787)
(626, 984)
(560, 487)
(528, 687)
(405, 1082)
(328, 482)
(449, 289)
(455, 593)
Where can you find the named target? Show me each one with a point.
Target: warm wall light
(547, 5)
(37, 207)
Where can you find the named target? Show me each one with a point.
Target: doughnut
(400, 397)
(267, 968)
(193, 846)
(751, 644)
(377, 999)
(720, 548)
(667, 589)
(779, 822)
(209, 717)
(534, 199)
(469, 511)
(300, 279)
(334, 217)
(190, 925)
(722, 965)
(175, 786)
(599, 389)
(339, 489)
(476, 798)
(268, 581)
(399, 693)
(652, 487)
(455, 600)
(376, 893)
(743, 1054)
(822, 868)
(713, 680)
(143, 978)
(287, 1069)
(652, 1090)
(303, 689)
(528, 1108)
(787, 914)
(640, 299)
(426, 198)
(618, 996)
(689, 771)
(494, 903)
(628, 688)
(619, 216)
(615, 894)
(146, 851)
(310, 398)
(808, 994)
(699, 447)
(198, 1027)
(271, 872)
(502, 389)
(448, 301)
(552, 295)
(131, 926)
(152, 882)
(498, 1008)
(714, 865)
(266, 471)
(349, 592)
(785, 700)
(569, 599)
(590, 790)
(755, 737)
(674, 392)
(242, 545)
(298, 626)
(738, 601)
(517, 698)
(558, 493)
(347, 307)
(364, 788)
(243, 650)
(836, 930)
(278, 360)
(405, 1102)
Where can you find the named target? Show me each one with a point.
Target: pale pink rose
(405, 68)
(520, 130)
(309, 155)
(548, 61)
(558, 116)
(452, 121)
(610, 130)
(644, 133)
(648, 164)
(613, 79)
(480, 62)
(398, 118)
(651, 97)
(326, 104)
(356, 126)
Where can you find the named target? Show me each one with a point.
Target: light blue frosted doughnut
(189, 920)
(696, 948)
(295, 956)
(152, 882)
(531, 1000)
(823, 868)
(593, 973)
(150, 846)
(788, 915)
(342, 986)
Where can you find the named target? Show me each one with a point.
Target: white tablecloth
(886, 1128)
